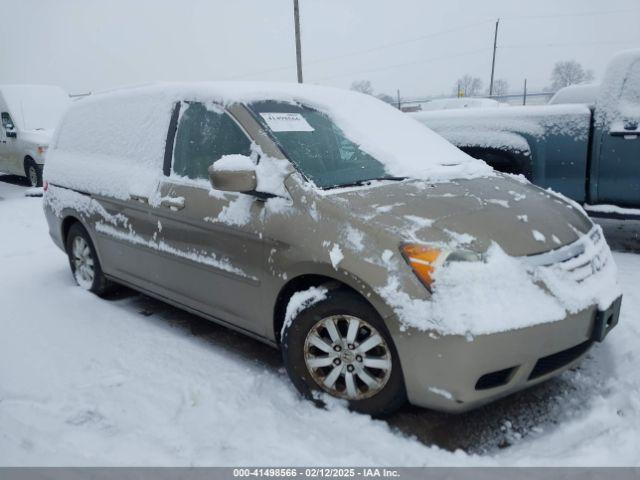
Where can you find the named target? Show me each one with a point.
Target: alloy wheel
(347, 357)
(33, 176)
(83, 264)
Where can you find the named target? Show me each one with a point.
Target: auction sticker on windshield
(286, 122)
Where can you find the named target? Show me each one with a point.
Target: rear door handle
(174, 203)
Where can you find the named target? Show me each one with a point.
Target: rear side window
(205, 135)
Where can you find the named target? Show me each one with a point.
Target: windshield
(317, 147)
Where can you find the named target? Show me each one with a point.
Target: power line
(562, 15)
(398, 65)
(404, 42)
(439, 33)
(367, 50)
(461, 54)
(569, 44)
(470, 52)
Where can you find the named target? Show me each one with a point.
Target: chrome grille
(580, 260)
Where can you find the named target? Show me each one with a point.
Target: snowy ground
(132, 381)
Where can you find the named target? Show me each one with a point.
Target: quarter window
(205, 134)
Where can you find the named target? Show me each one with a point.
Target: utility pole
(296, 17)
(399, 104)
(493, 61)
(524, 95)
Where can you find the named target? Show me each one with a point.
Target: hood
(521, 218)
(40, 137)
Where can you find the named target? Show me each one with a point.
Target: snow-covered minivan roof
(124, 130)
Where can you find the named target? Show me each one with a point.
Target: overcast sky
(418, 46)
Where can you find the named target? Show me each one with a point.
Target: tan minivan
(386, 264)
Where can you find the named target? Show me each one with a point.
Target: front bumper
(454, 374)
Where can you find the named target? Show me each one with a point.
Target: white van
(29, 115)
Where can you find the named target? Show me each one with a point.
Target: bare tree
(500, 87)
(568, 72)
(362, 86)
(467, 86)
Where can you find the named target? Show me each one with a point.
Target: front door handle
(626, 134)
(174, 203)
(140, 198)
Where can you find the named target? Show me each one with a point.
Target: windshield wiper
(359, 183)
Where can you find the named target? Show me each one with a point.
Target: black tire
(341, 302)
(33, 172)
(99, 284)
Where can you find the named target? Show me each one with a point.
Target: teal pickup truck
(588, 152)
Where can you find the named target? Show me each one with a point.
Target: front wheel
(341, 346)
(33, 172)
(84, 263)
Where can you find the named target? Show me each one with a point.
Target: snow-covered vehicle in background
(462, 102)
(584, 93)
(589, 152)
(308, 217)
(29, 114)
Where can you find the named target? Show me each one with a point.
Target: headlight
(42, 149)
(425, 259)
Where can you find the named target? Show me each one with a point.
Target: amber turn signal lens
(423, 260)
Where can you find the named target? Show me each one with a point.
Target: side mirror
(233, 173)
(11, 133)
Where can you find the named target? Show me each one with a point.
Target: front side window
(205, 134)
(7, 123)
(316, 146)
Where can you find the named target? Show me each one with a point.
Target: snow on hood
(40, 137)
(521, 218)
(107, 127)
